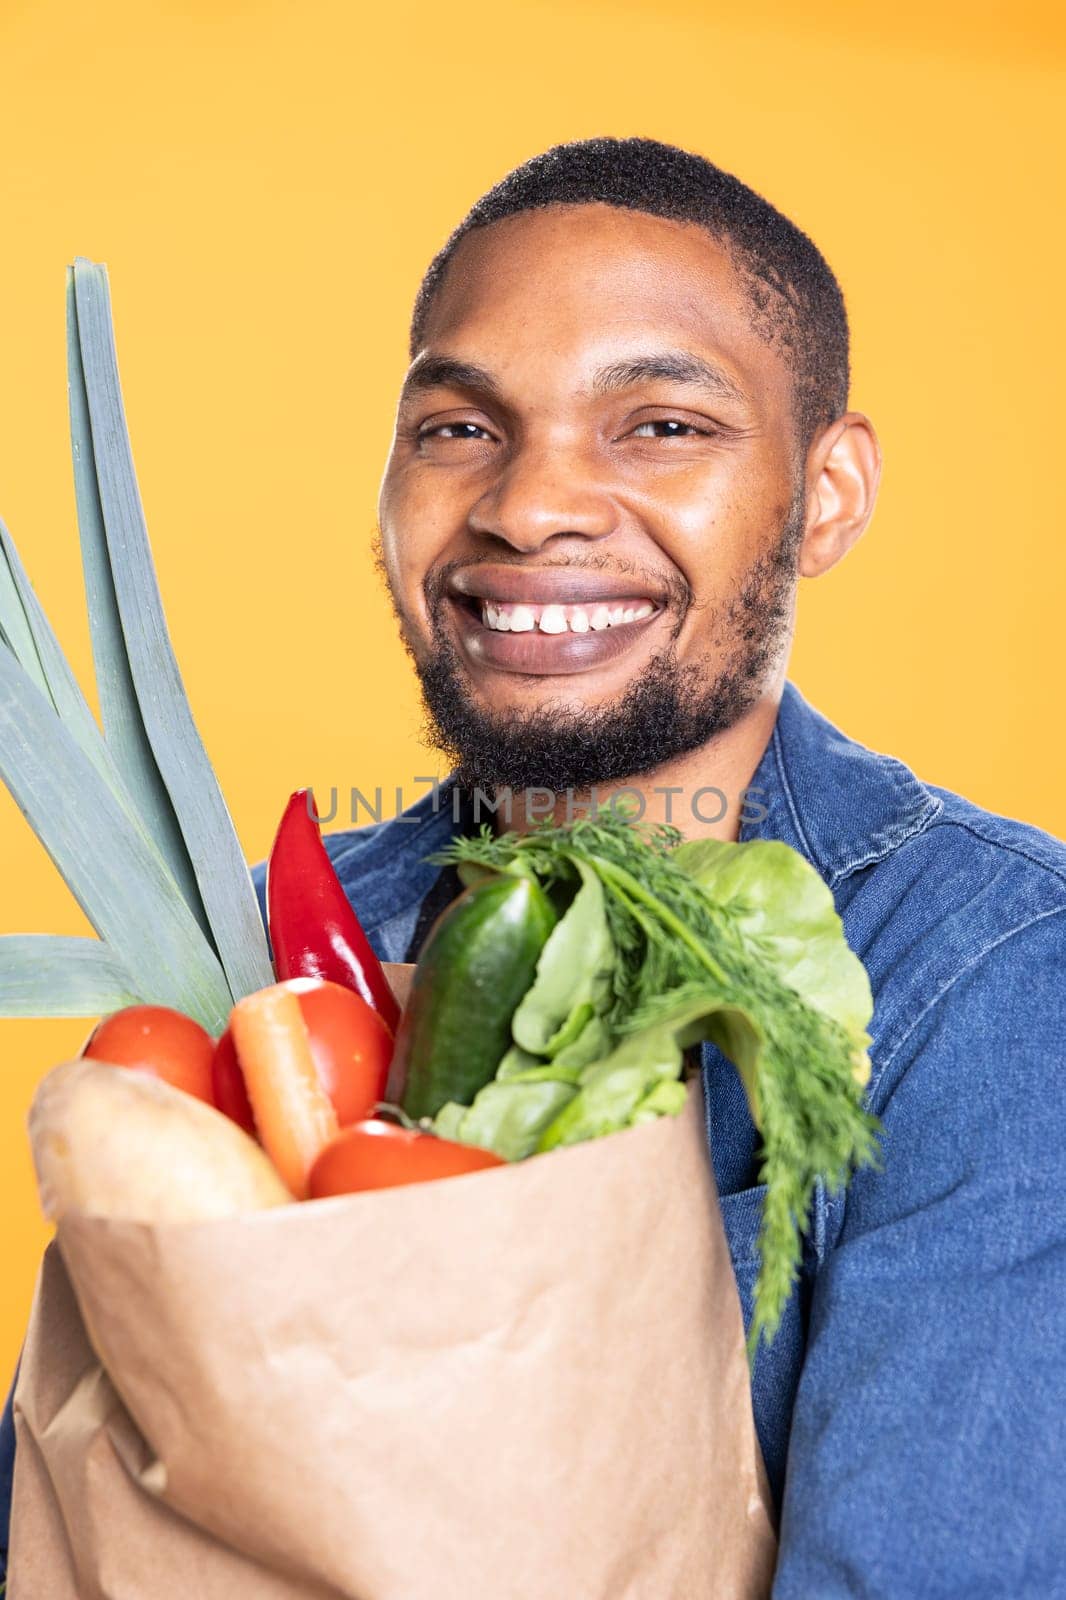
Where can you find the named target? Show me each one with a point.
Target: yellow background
(267, 182)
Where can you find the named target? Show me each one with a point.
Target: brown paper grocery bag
(527, 1383)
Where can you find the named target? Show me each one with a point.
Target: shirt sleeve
(259, 874)
(927, 1455)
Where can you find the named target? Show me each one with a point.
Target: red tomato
(227, 1084)
(158, 1040)
(350, 1044)
(382, 1155)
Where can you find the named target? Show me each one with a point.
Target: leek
(43, 975)
(132, 815)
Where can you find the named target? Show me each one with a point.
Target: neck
(701, 793)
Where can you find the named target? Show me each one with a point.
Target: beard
(671, 710)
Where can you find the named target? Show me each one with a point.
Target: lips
(479, 595)
(574, 586)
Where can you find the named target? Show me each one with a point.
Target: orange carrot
(293, 1113)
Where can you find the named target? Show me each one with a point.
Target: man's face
(590, 514)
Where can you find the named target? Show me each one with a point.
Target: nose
(542, 494)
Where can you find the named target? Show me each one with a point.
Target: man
(622, 439)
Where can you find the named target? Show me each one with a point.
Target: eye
(669, 428)
(454, 430)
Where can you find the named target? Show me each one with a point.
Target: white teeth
(552, 620)
(510, 617)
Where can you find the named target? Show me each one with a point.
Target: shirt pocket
(742, 1219)
(776, 1370)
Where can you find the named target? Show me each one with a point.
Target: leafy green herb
(706, 946)
(786, 909)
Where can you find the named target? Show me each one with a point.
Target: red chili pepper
(313, 929)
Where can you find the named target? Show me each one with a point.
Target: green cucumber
(479, 959)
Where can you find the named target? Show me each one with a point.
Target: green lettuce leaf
(509, 1117)
(573, 978)
(537, 1105)
(783, 906)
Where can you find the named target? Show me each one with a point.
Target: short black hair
(797, 302)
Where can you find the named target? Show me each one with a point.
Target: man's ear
(843, 472)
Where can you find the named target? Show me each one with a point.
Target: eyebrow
(445, 372)
(670, 366)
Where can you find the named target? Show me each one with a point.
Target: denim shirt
(911, 1408)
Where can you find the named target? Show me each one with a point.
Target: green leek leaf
(127, 739)
(25, 629)
(16, 628)
(115, 874)
(221, 871)
(27, 632)
(46, 975)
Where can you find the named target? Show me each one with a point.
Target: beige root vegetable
(119, 1143)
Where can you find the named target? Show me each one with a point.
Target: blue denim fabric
(911, 1408)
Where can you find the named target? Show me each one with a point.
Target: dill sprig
(673, 942)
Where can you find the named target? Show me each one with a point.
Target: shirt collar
(836, 802)
(839, 804)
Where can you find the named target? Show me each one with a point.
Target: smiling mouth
(548, 638)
